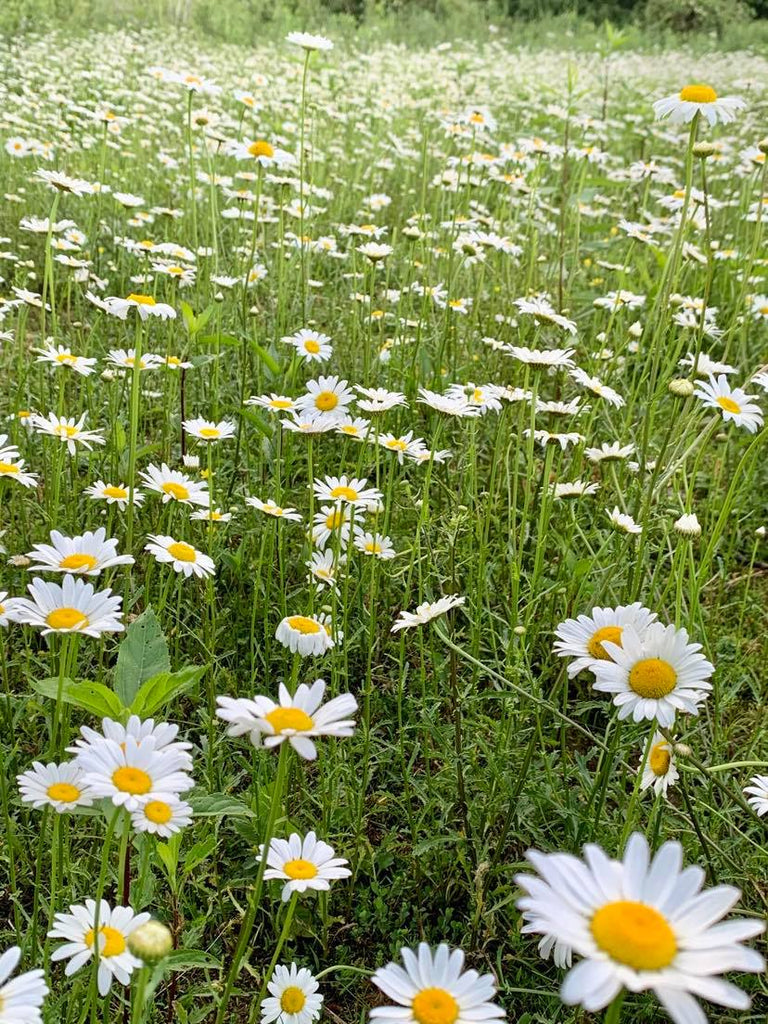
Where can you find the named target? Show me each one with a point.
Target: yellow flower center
(78, 562)
(177, 491)
(63, 792)
(326, 400)
(350, 428)
(434, 1006)
(679, 193)
(174, 270)
(304, 625)
(66, 618)
(728, 404)
(652, 678)
(158, 812)
(660, 759)
(635, 935)
(397, 444)
(312, 346)
(300, 868)
(261, 148)
(209, 432)
(763, 310)
(348, 493)
(115, 492)
(114, 943)
(8, 467)
(334, 520)
(289, 718)
(65, 357)
(281, 403)
(595, 645)
(132, 780)
(698, 94)
(142, 300)
(292, 1000)
(373, 548)
(182, 552)
(63, 430)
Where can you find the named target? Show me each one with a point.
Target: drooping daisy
(378, 399)
(324, 569)
(681, 107)
(659, 770)
(596, 386)
(757, 794)
(328, 396)
(574, 489)
(427, 611)
(304, 634)
(131, 774)
(556, 357)
(640, 924)
(375, 545)
(309, 42)
(60, 786)
(69, 431)
(86, 555)
(314, 346)
(175, 486)
(117, 494)
(271, 508)
(688, 524)
(297, 719)
(164, 816)
(613, 452)
(207, 430)
(78, 928)
(347, 490)
(182, 556)
(73, 607)
(654, 676)
(734, 403)
(293, 998)
(582, 638)
(303, 864)
(21, 997)
(623, 521)
(434, 988)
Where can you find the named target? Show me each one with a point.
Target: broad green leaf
(220, 339)
(95, 698)
(266, 357)
(181, 960)
(218, 805)
(190, 321)
(142, 655)
(163, 687)
(168, 853)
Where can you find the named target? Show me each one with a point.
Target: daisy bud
(635, 329)
(683, 750)
(519, 630)
(19, 561)
(151, 943)
(688, 525)
(191, 461)
(703, 150)
(760, 531)
(681, 386)
(763, 145)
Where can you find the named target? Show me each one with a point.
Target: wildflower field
(384, 503)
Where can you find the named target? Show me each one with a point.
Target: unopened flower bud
(703, 149)
(763, 145)
(683, 750)
(519, 630)
(688, 525)
(681, 386)
(151, 943)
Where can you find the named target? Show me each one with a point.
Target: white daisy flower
(324, 569)
(374, 544)
(597, 387)
(182, 556)
(314, 346)
(303, 864)
(688, 524)
(734, 403)
(211, 515)
(640, 924)
(354, 427)
(297, 719)
(757, 794)
(163, 816)
(304, 634)
(347, 490)
(334, 521)
(21, 997)
(145, 305)
(207, 430)
(125, 358)
(67, 430)
(61, 355)
(10, 470)
(309, 42)
(574, 489)
(434, 988)
(7, 606)
(379, 399)
(273, 402)
(262, 152)
(132, 774)
(427, 611)
(79, 929)
(271, 508)
(613, 452)
(328, 396)
(162, 734)
(622, 521)
(659, 770)
(541, 310)
(293, 998)
(681, 107)
(85, 555)
(60, 786)
(582, 638)
(175, 486)
(558, 357)
(73, 607)
(113, 494)
(654, 676)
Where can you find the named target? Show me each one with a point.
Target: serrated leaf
(142, 655)
(95, 698)
(168, 853)
(218, 805)
(163, 687)
(198, 853)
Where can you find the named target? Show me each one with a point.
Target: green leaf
(181, 960)
(190, 321)
(218, 805)
(198, 853)
(95, 698)
(220, 339)
(163, 687)
(142, 655)
(266, 357)
(168, 853)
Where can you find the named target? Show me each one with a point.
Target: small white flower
(303, 864)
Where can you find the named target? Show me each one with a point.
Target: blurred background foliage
(732, 23)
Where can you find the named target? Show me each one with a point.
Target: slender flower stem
(284, 933)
